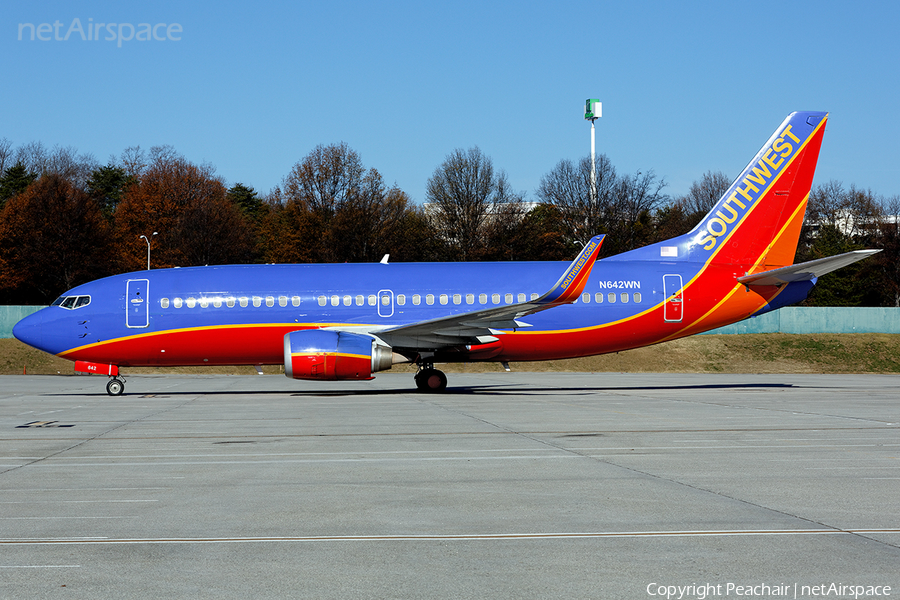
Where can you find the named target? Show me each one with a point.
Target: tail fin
(757, 222)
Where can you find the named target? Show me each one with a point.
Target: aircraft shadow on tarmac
(475, 390)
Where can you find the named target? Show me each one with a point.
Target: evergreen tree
(16, 179)
(106, 186)
(247, 200)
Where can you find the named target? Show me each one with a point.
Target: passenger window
(372, 300)
(598, 297)
(401, 299)
(482, 298)
(611, 297)
(204, 302)
(520, 298)
(270, 301)
(295, 300)
(429, 299)
(495, 298)
(457, 298)
(624, 296)
(509, 298)
(335, 300)
(321, 299)
(243, 301)
(257, 301)
(360, 300)
(637, 297)
(177, 302)
(385, 300)
(229, 301)
(586, 298)
(348, 300)
(470, 298)
(164, 302)
(445, 299)
(417, 299)
(217, 302)
(282, 301)
(191, 302)
(534, 296)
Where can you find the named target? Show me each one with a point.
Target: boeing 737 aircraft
(348, 321)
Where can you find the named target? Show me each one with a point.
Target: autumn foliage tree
(189, 207)
(52, 238)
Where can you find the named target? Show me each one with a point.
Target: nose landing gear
(115, 386)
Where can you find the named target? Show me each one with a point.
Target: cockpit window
(72, 302)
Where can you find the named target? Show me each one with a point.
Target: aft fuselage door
(673, 309)
(137, 303)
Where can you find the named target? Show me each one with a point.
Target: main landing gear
(429, 379)
(115, 386)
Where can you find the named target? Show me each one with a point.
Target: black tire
(431, 380)
(115, 387)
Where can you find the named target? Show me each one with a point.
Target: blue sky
(252, 88)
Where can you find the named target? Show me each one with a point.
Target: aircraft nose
(29, 330)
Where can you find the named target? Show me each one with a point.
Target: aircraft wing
(807, 270)
(476, 327)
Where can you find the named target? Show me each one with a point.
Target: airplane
(349, 321)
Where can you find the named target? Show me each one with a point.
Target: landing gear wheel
(115, 387)
(431, 380)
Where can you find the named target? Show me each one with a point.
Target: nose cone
(29, 330)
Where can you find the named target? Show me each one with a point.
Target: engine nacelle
(333, 355)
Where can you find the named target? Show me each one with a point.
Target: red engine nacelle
(332, 355)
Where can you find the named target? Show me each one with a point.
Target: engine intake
(333, 355)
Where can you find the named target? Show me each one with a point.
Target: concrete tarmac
(510, 485)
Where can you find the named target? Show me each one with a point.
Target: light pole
(593, 110)
(146, 239)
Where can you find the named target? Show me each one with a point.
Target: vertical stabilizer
(757, 222)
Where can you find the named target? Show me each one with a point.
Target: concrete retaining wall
(10, 315)
(831, 319)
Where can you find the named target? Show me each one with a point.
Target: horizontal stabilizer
(807, 270)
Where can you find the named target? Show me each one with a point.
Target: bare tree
(703, 195)
(568, 188)
(133, 160)
(327, 179)
(889, 259)
(630, 219)
(67, 163)
(33, 156)
(6, 154)
(463, 194)
(620, 206)
(330, 208)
